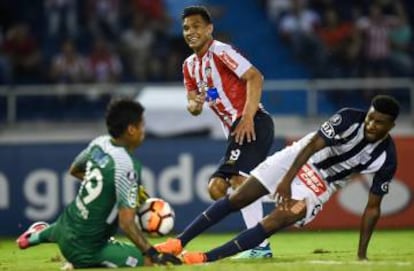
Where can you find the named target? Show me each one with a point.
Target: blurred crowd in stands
(78, 41)
(73, 41)
(354, 38)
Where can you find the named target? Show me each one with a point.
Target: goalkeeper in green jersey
(110, 192)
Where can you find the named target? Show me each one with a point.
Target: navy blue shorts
(241, 159)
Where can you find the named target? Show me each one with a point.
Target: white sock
(253, 214)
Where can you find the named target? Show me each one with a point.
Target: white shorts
(308, 184)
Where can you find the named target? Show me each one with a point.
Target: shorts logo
(131, 261)
(328, 130)
(385, 187)
(234, 154)
(230, 62)
(335, 120)
(316, 209)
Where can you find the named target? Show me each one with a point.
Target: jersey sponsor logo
(328, 130)
(99, 157)
(132, 195)
(385, 186)
(132, 176)
(230, 62)
(312, 180)
(336, 119)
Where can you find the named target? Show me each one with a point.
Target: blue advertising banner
(35, 184)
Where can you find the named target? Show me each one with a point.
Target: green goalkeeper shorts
(119, 254)
(81, 254)
(113, 254)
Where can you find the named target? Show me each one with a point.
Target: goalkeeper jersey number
(111, 182)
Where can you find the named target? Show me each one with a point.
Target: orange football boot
(193, 257)
(172, 245)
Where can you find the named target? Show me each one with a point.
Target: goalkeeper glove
(142, 195)
(158, 258)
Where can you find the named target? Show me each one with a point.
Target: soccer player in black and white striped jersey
(304, 175)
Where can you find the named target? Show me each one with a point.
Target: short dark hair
(120, 113)
(387, 105)
(197, 10)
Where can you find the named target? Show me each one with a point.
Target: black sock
(248, 239)
(216, 212)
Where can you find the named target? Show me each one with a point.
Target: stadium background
(46, 117)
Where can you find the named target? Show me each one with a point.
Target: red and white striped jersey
(377, 34)
(221, 67)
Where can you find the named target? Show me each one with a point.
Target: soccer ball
(156, 217)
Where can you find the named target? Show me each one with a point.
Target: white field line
(399, 263)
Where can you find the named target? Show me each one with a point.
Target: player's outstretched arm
(78, 167)
(244, 131)
(369, 220)
(283, 192)
(127, 224)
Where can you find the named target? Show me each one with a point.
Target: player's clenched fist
(195, 105)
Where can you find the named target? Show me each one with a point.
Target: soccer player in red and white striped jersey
(218, 75)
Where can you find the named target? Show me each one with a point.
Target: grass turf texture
(293, 251)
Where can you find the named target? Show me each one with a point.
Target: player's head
(380, 118)
(197, 28)
(125, 122)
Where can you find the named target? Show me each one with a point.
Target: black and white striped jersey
(348, 152)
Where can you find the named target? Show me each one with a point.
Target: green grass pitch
(293, 251)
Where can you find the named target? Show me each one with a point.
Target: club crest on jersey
(207, 71)
(132, 176)
(385, 187)
(328, 130)
(230, 62)
(335, 120)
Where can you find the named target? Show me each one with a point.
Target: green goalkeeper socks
(45, 236)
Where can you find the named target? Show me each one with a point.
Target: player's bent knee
(239, 200)
(298, 208)
(216, 193)
(237, 203)
(284, 215)
(217, 188)
(237, 181)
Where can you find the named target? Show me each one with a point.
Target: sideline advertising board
(35, 184)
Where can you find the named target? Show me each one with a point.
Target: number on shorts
(234, 154)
